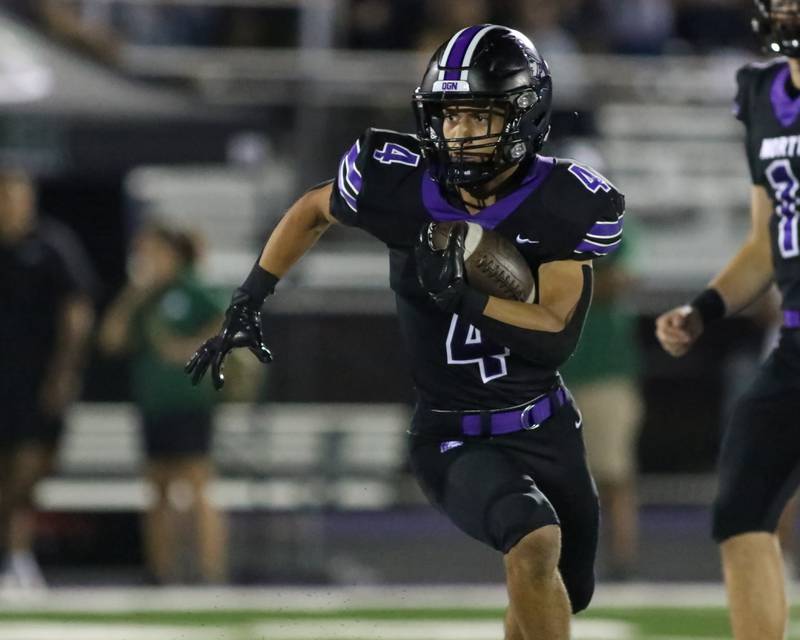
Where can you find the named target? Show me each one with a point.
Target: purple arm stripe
(587, 246)
(349, 199)
(353, 175)
(606, 229)
(603, 235)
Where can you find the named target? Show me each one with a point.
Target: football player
(760, 454)
(496, 443)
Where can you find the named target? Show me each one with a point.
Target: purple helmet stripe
(457, 52)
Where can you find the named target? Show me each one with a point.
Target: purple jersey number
(785, 185)
(466, 346)
(392, 153)
(594, 182)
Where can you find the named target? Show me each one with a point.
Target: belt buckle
(523, 418)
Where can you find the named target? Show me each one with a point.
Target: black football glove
(441, 273)
(241, 328)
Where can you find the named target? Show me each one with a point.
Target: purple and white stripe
(603, 238)
(349, 180)
(457, 56)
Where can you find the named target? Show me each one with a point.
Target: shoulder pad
(748, 80)
(590, 211)
(375, 150)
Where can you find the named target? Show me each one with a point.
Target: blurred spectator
(713, 24)
(64, 21)
(641, 27)
(383, 24)
(602, 376)
(151, 23)
(46, 318)
(444, 18)
(543, 22)
(158, 318)
(99, 27)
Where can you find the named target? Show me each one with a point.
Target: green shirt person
(157, 320)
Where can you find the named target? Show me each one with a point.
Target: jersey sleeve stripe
(606, 229)
(603, 235)
(349, 198)
(353, 174)
(588, 246)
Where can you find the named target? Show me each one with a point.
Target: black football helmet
(777, 23)
(493, 68)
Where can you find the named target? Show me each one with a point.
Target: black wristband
(259, 284)
(472, 303)
(710, 306)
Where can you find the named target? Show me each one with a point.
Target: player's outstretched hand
(678, 329)
(441, 273)
(241, 328)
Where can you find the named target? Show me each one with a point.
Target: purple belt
(527, 418)
(791, 318)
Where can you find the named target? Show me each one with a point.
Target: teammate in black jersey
(760, 456)
(495, 441)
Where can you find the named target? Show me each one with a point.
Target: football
(492, 262)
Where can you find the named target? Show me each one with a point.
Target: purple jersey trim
(605, 229)
(442, 211)
(353, 174)
(791, 318)
(785, 108)
(587, 246)
(458, 51)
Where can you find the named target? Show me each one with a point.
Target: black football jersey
(560, 210)
(36, 276)
(772, 120)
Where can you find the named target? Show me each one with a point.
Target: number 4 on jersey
(466, 346)
(393, 153)
(589, 178)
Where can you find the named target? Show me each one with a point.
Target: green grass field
(115, 615)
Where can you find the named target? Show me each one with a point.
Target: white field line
(105, 631)
(321, 599)
(327, 630)
(443, 630)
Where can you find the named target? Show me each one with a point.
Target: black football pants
(499, 489)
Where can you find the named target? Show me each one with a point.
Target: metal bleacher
(278, 456)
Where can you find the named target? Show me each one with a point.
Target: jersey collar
(786, 109)
(442, 211)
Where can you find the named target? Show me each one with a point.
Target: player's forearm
(561, 287)
(549, 348)
(746, 276)
(534, 317)
(299, 229)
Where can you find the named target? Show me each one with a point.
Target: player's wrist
(472, 303)
(259, 284)
(709, 305)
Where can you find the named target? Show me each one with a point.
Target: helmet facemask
(778, 24)
(470, 163)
